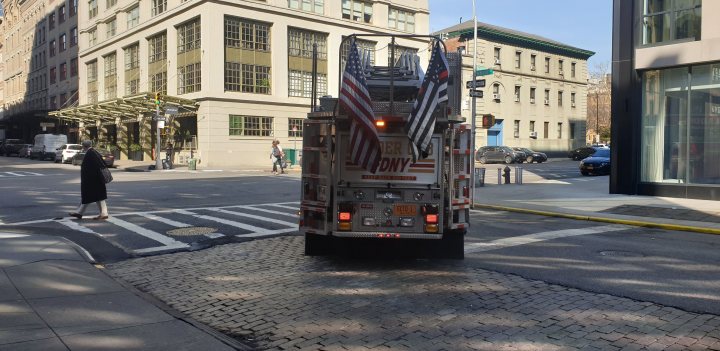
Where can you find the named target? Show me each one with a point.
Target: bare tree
(598, 102)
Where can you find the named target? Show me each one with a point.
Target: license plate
(405, 210)
(589, 167)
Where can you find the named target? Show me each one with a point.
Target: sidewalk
(588, 198)
(143, 166)
(52, 299)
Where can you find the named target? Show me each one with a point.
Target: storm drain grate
(191, 231)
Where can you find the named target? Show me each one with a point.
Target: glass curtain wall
(681, 125)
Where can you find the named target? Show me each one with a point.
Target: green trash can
(291, 156)
(192, 164)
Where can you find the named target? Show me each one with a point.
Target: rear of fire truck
(426, 200)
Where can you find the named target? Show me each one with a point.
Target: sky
(586, 24)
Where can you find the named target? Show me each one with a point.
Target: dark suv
(488, 154)
(11, 147)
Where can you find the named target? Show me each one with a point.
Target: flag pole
(473, 123)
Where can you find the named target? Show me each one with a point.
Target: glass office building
(666, 98)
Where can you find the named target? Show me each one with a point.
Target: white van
(46, 145)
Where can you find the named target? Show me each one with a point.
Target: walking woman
(92, 182)
(277, 156)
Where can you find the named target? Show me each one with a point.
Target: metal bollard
(518, 175)
(499, 176)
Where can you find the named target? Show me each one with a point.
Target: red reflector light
(466, 192)
(380, 123)
(344, 216)
(431, 218)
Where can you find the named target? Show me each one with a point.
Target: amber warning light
(380, 123)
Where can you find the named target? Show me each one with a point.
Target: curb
(635, 223)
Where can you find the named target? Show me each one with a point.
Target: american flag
(355, 99)
(432, 91)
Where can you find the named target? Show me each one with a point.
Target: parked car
(11, 147)
(581, 153)
(488, 154)
(25, 150)
(532, 156)
(46, 144)
(598, 163)
(65, 153)
(108, 157)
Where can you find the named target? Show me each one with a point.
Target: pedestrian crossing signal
(488, 121)
(158, 96)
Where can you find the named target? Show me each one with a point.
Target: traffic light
(158, 96)
(488, 121)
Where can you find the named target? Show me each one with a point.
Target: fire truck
(403, 201)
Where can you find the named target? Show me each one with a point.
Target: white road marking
(251, 228)
(16, 174)
(266, 219)
(282, 206)
(167, 241)
(11, 235)
(537, 237)
(257, 208)
(162, 248)
(165, 220)
(267, 233)
(485, 212)
(76, 226)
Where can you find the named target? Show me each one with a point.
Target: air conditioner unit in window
(547, 102)
(532, 67)
(573, 104)
(517, 134)
(497, 61)
(532, 101)
(517, 99)
(533, 135)
(496, 97)
(562, 73)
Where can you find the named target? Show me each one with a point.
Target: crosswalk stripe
(282, 206)
(271, 220)
(76, 226)
(167, 241)
(16, 174)
(251, 228)
(256, 208)
(165, 220)
(267, 233)
(161, 248)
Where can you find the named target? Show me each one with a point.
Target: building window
(74, 67)
(670, 20)
(316, 6)
(496, 55)
(158, 7)
(63, 42)
(532, 95)
(561, 67)
(517, 93)
(572, 99)
(546, 129)
(157, 48)
(250, 126)
(132, 86)
(73, 36)
(560, 98)
(92, 72)
(366, 47)
(61, 14)
(53, 75)
(300, 45)
(110, 3)
(158, 82)
(572, 130)
(356, 10)
(63, 71)
(132, 69)
(92, 9)
(92, 37)
(532, 126)
(63, 99)
(559, 130)
(244, 70)
(295, 127)
(572, 69)
(52, 48)
(247, 35)
(188, 36)
(516, 129)
(547, 65)
(53, 102)
(547, 96)
(110, 62)
(51, 21)
(73, 7)
(300, 84)
(111, 28)
(133, 17)
(189, 78)
(517, 59)
(533, 58)
(399, 51)
(401, 20)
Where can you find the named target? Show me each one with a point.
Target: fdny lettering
(393, 164)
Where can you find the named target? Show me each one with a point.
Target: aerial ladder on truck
(405, 200)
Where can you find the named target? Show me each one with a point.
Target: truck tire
(453, 244)
(317, 245)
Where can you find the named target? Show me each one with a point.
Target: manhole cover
(190, 231)
(618, 253)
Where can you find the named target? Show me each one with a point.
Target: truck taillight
(466, 191)
(344, 216)
(431, 218)
(431, 215)
(380, 123)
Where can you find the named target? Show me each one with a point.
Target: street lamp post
(597, 114)
(473, 113)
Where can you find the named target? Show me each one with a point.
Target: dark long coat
(92, 183)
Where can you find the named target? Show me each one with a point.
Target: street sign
(171, 110)
(484, 72)
(159, 118)
(476, 93)
(480, 83)
(47, 124)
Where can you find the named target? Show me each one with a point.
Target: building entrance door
(495, 135)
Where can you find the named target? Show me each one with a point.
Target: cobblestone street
(269, 295)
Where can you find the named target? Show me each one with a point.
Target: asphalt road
(164, 212)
